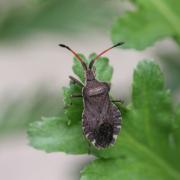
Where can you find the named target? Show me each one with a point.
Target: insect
(101, 119)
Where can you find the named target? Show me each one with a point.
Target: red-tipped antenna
(93, 61)
(77, 56)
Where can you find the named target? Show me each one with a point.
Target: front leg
(76, 81)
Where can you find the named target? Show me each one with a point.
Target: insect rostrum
(101, 119)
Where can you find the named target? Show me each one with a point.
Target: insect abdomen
(103, 134)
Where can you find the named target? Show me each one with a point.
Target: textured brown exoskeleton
(101, 119)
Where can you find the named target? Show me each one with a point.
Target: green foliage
(126, 168)
(54, 134)
(150, 21)
(149, 142)
(145, 148)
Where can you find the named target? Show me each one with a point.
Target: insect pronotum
(101, 119)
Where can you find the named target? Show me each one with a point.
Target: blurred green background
(33, 69)
(34, 22)
(21, 22)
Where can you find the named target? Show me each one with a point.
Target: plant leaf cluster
(149, 21)
(148, 146)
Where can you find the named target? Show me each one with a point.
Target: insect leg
(76, 81)
(120, 105)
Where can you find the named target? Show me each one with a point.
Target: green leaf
(126, 169)
(151, 21)
(73, 106)
(146, 142)
(53, 134)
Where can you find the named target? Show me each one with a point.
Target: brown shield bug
(101, 119)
